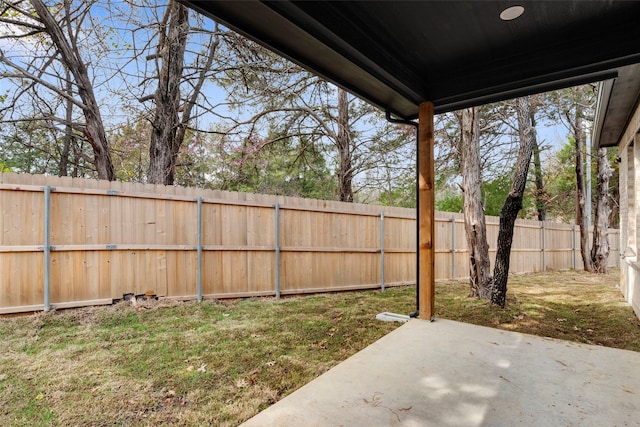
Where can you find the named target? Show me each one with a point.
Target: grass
(173, 363)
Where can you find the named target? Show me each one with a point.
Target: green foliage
(280, 168)
(403, 196)
(451, 202)
(130, 148)
(33, 147)
(494, 194)
(561, 183)
(496, 191)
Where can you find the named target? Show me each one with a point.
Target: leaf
(203, 368)
(40, 396)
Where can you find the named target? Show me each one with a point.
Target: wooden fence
(72, 242)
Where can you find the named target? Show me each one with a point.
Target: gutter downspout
(416, 126)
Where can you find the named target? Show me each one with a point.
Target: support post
(199, 262)
(453, 247)
(544, 248)
(382, 251)
(573, 245)
(47, 248)
(277, 244)
(426, 212)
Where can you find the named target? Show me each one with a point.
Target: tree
(540, 189)
(561, 186)
(174, 109)
(165, 144)
(600, 248)
(305, 107)
(574, 106)
(513, 204)
(29, 147)
(391, 178)
(56, 34)
(279, 168)
(345, 147)
(130, 148)
(474, 220)
(581, 202)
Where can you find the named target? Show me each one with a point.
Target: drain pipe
(415, 125)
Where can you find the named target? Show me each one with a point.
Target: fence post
(573, 244)
(277, 249)
(47, 248)
(382, 251)
(199, 262)
(544, 248)
(453, 247)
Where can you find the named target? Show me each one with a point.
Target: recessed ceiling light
(511, 13)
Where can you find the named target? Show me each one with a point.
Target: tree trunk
(600, 248)
(474, 220)
(343, 143)
(581, 215)
(164, 147)
(94, 128)
(541, 193)
(513, 204)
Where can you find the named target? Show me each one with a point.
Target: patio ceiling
(454, 54)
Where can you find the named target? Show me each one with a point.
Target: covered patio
(414, 60)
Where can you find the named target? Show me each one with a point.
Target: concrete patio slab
(447, 373)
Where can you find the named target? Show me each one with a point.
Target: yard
(219, 363)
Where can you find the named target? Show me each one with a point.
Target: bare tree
(345, 149)
(513, 204)
(540, 190)
(575, 122)
(574, 108)
(474, 219)
(297, 105)
(62, 27)
(164, 147)
(600, 248)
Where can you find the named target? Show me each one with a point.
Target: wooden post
(426, 213)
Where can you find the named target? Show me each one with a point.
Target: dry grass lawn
(219, 363)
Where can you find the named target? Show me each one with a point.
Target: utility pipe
(382, 251)
(199, 262)
(47, 248)
(277, 220)
(416, 126)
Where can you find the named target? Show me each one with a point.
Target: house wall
(629, 151)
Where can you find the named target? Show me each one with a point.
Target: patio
(447, 373)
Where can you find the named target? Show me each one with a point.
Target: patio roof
(416, 59)
(454, 54)
(617, 100)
